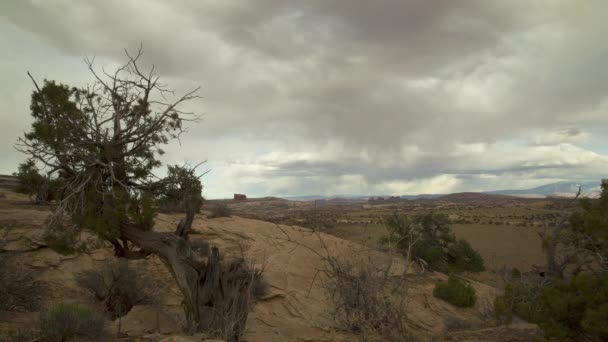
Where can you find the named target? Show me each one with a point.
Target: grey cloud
(373, 76)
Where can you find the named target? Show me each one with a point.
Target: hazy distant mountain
(319, 197)
(564, 189)
(553, 188)
(303, 198)
(421, 196)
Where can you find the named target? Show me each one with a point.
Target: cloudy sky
(343, 97)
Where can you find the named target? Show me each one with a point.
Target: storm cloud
(344, 97)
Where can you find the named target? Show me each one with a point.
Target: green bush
(31, 182)
(521, 298)
(64, 321)
(571, 303)
(462, 257)
(179, 191)
(431, 239)
(566, 310)
(577, 309)
(220, 210)
(455, 292)
(29, 178)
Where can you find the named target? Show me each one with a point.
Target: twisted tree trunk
(215, 298)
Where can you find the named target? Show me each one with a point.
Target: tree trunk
(215, 298)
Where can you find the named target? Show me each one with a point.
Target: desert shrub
(63, 238)
(571, 303)
(520, 298)
(576, 310)
(179, 191)
(430, 238)
(462, 257)
(18, 291)
(220, 210)
(63, 322)
(31, 182)
(23, 335)
(118, 286)
(455, 292)
(29, 178)
(566, 310)
(258, 287)
(366, 300)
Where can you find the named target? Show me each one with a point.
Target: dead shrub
(220, 210)
(258, 288)
(367, 300)
(118, 286)
(18, 290)
(63, 322)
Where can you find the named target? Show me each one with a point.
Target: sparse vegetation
(456, 292)
(180, 190)
(367, 300)
(103, 142)
(118, 286)
(572, 303)
(63, 322)
(220, 210)
(43, 189)
(18, 289)
(521, 297)
(429, 238)
(259, 287)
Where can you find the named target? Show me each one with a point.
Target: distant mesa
(240, 197)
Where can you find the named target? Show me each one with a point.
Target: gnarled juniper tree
(103, 141)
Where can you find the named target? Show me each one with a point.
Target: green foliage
(180, 190)
(63, 237)
(522, 298)
(455, 292)
(118, 286)
(462, 257)
(590, 226)
(63, 322)
(220, 210)
(32, 183)
(430, 238)
(30, 179)
(141, 211)
(103, 157)
(576, 309)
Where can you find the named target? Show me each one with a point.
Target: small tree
(180, 190)
(429, 238)
(43, 188)
(571, 304)
(103, 141)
